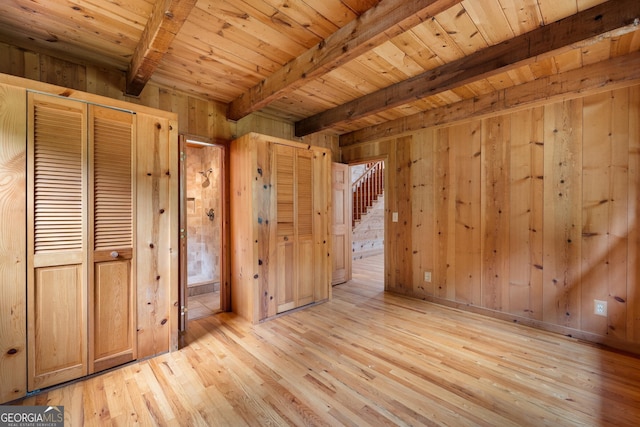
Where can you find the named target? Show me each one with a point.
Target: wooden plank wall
(156, 231)
(13, 251)
(527, 216)
(242, 246)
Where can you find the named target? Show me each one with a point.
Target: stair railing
(367, 188)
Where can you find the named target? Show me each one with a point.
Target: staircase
(366, 189)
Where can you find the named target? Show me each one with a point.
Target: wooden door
(112, 294)
(305, 280)
(284, 159)
(341, 223)
(56, 240)
(294, 195)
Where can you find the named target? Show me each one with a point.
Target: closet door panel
(113, 310)
(59, 326)
(304, 228)
(285, 212)
(304, 194)
(112, 296)
(57, 230)
(285, 199)
(305, 267)
(286, 275)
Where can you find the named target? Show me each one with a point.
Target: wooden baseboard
(589, 337)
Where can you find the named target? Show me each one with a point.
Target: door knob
(114, 254)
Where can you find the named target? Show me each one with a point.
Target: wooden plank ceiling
(328, 65)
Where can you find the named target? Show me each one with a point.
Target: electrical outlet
(599, 307)
(427, 276)
(394, 217)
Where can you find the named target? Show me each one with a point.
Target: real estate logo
(31, 416)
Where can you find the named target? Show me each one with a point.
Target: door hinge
(183, 310)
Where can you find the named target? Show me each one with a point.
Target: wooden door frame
(225, 266)
(385, 159)
(182, 225)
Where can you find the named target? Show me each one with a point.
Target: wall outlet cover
(599, 307)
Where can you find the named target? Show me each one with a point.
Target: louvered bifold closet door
(57, 273)
(304, 227)
(112, 293)
(286, 296)
(294, 210)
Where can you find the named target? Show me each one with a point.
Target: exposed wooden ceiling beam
(608, 19)
(622, 71)
(374, 27)
(163, 25)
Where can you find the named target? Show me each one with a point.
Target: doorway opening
(202, 185)
(368, 220)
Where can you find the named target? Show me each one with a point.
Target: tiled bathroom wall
(203, 233)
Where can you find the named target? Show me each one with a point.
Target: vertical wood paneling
(266, 125)
(465, 142)
(62, 73)
(390, 228)
(13, 243)
(265, 212)
(444, 208)
(328, 141)
(422, 211)
(322, 232)
(495, 212)
(563, 214)
(198, 116)
(245, 239)
(402, 247)
(526, 213)
(13, 60)
(105, 83)
(618, 216)
(156, 248)
(596, 202)
(633, 238)
(553, 201)
(605, 207)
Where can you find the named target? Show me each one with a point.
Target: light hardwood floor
(364, 358)
(203, 305)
